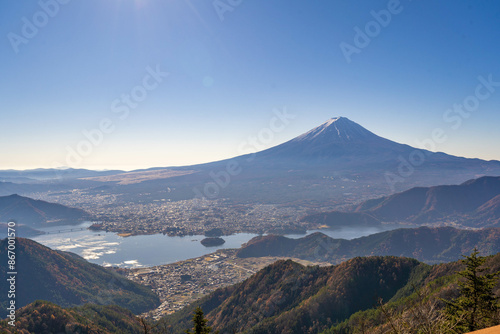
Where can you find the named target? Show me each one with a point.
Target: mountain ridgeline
(34, 213)
(474, 203)
(46, 317)
(426, 244)
(287, 297)
(42, 174)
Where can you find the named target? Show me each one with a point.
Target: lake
(109, 249)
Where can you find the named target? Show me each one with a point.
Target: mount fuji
(336, 139)
(337, 163)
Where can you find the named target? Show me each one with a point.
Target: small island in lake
(211, 242)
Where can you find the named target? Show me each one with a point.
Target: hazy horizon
(128, 169)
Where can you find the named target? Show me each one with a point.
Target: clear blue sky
(230, 63)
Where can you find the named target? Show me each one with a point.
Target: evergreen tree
(200, 323)
(477, 306)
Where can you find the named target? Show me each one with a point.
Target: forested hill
(426, 244)
(46, 317)
(68, 280)
(287, 297)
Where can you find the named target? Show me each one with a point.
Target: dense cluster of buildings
(179, 284)
(185, 217)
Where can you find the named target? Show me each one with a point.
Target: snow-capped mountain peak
(337, 130)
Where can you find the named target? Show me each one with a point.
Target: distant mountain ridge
(42, 174)
(473, 203)
(35, 213)
(426, 244)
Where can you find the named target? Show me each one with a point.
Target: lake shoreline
(148, 250)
